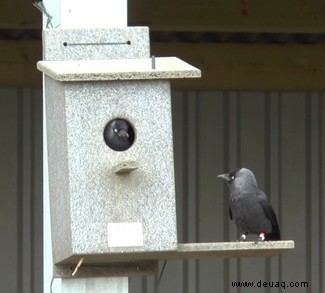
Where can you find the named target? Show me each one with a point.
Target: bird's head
(241, 178)
(120, 128)
(119, 134)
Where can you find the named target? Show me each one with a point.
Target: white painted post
(77, 14)
(94, 285)
(94, 13)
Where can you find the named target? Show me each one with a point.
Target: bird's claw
(261, 237)
(242, 237)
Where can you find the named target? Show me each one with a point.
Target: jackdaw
(119, 134)
(249, 206)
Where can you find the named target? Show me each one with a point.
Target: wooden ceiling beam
(256, 16)
(224, 66)
(18, 63)
(250, 66)
(19, 14)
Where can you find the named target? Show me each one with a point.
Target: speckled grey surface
(58, 169)
(209, 250)
(82, 166)
(127, 69)
(85, 192)
(96, 43)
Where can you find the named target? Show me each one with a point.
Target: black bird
(119, 134)
(249, 206)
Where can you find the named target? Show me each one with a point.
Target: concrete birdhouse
(110, 145)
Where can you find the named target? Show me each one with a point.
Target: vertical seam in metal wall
(238, 123)
(197, 182)
(225, 119)
(267, 169)
(308, 185)
(279, 133)
(19, 191)
(144, 284)
(185, 187)
(32, 191)
(238, 158)
(320, 176)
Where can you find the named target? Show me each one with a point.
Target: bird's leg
(243, 237)
(261, 236)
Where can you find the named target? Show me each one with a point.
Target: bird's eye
(115, 130)
(232, 177)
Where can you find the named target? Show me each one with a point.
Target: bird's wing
(270, 214)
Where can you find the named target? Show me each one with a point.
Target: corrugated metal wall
(280, 136)
(21, 226)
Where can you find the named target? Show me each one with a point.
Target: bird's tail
(275, 234)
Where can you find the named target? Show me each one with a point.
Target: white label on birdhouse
(124, 234)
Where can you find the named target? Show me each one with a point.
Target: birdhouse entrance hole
(119, 134)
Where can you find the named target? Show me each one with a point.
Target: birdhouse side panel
(58, 168)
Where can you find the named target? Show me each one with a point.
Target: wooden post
(77, 14)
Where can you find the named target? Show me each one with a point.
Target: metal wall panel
(21, 191)
(280, 136)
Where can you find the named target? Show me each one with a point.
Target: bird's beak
(123, 133)
(224, 177)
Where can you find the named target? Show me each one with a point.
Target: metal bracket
(41, 7)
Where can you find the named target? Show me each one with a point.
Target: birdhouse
(110, 144)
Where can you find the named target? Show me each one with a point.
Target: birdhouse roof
(122, 69)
